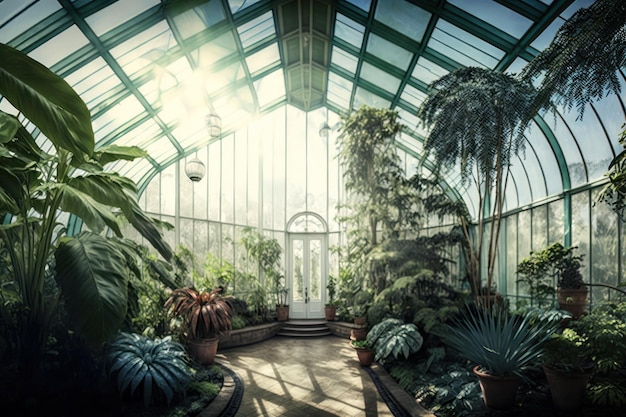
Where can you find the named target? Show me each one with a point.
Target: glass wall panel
(186, 189)
(511, 255)
(240, 177)
(214, 179)
(200, 239)
(581, 207)
(555, 221)
(539, 227)
(296, 162)
(186, 232)
(168, 190)
(604, 246)
(228, 180)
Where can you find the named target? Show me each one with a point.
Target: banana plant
(38, 188)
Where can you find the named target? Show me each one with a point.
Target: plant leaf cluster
(207, 314)
(146, 366)
(500, 342)
(392, 338)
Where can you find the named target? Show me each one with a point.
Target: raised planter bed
(249, 335)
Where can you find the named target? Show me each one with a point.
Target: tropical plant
(331, 286)
(361, 344)
(206, 314)
(148, 366)
(584, 60)
(266, 252)
(393, 338)
(476, 120)
(500, 342)
(554, 262)
(381, 202)
(38, 188)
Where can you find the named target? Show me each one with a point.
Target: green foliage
(448, 390)
(476, 118)
(238, 322)
(555, 262)
(584, 60)
(206, 314)
(266, 252)
(381, 201)
(362, 344)
(431, 319)
(614, 192)
(331, 286)
(37, 191)
(152, 366)
(500, 342)
(392, 338)
(607, 392)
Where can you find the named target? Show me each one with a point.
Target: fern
(608, 393)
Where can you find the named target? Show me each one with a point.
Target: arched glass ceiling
(151, 71)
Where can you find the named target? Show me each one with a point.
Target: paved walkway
(295, 377)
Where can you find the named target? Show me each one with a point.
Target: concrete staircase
(304, 328)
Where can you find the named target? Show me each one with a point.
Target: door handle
(306, 295)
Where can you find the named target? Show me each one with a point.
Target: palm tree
(476, 118)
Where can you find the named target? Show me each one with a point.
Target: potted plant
(364, 350)
(330, 308)
(206, 315)
(568, 364)
(501, 345)
(282, 308)
(558, 263)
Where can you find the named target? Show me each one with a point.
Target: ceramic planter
(330, 313)
(573, 300)
(567, 389)
(365, 355)
(203, 351)
(499, 393)
(282, 313)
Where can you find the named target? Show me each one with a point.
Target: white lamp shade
(214, 125)
(195, 169)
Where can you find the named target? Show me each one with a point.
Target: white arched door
(307, 266)
(307, 272)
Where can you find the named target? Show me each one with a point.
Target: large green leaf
(93, 278)
(148, 229)
(112, 153)
(46, 100)
(95, 214)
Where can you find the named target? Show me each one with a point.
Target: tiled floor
(303, 377)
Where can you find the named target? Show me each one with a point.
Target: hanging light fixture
(195, 169)
(214, 124)
(324, 130)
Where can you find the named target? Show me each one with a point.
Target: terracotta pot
(203, 351)
(573, 300)
(567, 389)
(499, 393)
(282, 313)
(366, 356)
(360, 321)
(330, 313)
(359, 333)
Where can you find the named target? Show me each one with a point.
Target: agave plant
(392, 338)
(137, 361)
(207, 314)
(501, 343)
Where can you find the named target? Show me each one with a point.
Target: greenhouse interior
(452, 171)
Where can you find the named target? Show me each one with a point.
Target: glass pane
(263, 59)
(463, 47)
(427, 71)
(349, 31)
(379, 78)
(604, 248)
(403, 17)
(315, 270)
(199, 18)
(257, 30)
(497, 15)
(344, 59)
(297, 269)
(388, 51)
(118, 13)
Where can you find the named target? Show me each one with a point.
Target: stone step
(304, 328)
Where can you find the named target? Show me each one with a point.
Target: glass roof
(152, 71)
